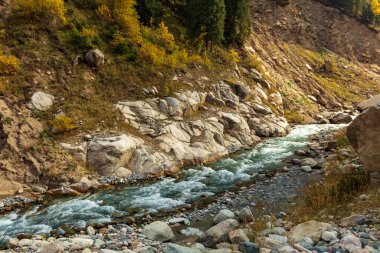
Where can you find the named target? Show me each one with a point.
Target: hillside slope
(301, 61)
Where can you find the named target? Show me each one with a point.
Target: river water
(164, 195)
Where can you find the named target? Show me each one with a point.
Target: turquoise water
(165, 195)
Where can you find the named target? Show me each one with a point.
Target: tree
(150, 11)
(376, 7)
(206, 17)
(237, 23)
(367, 14)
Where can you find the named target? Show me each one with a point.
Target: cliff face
(302, 60)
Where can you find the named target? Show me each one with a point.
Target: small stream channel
(164, 195)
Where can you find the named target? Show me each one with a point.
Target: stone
(52, 248)
(90, 230)
(309, 162)
(249, 247)
(351, 239)
(364, 135)
(306, 169)
(353, 220)
(265, 242)
(158, 231)
(342, 118)
(81, 243)
(330, 236)
(223, 215)
(107, 251)
(221, 230)
(287, 249)
(312, 229)
(11, 243)
(246, 215)
(179, 220)
(373, 101)
(193, 232)
(175, 248)
(122, 172)
(41, 101)
(106, 154)
(94, 58)
(63, 191)
(279, 238)
(261, 109)
(242, 91)
(237, 236)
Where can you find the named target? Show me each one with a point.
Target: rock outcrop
(374, 101)
(364, 135)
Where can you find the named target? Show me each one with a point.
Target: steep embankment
(317, 55)
(301, 60)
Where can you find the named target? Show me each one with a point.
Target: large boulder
(107, 154)
(364, 135)
(41, 101)
(341, 118)
(158, 231)
(312, 229)
(220, 231)
(373, 101)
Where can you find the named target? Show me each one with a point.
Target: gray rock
(221, 230)
(147, 249)
(309, 162)
(237, 236)
(175, 248)
(223, 215)
(353, 220)
(3, 241)
(94, 58)
(312, 229)
(329, 236)
(193, 232)
(249, 247)
(41, 101)
(246, 215)
(158, 231)
(364, 135)
(279, 238)
(342, 118)
(306, 169)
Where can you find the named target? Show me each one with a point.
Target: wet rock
(158, 231)
(312, 229)
(249, 247)
(193, 232)
(237, 236)
(179, 220)
(3, 241)
(353, 220)
(41, 101)
(175, 248)
(63, 191)
(246, 215)
(223, 215)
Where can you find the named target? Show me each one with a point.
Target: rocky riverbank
(230, 224)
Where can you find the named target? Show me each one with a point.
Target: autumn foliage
(8, 65)
(52, 11)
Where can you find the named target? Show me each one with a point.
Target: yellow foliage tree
(45, 10)
(376, 7)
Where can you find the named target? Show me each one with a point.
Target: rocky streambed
(236, 183)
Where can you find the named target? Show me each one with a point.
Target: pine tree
(150, 11)
(237, 24)
(206, 17)
(367, 14)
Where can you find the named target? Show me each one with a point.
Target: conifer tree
(237, 24)
(206, 17)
